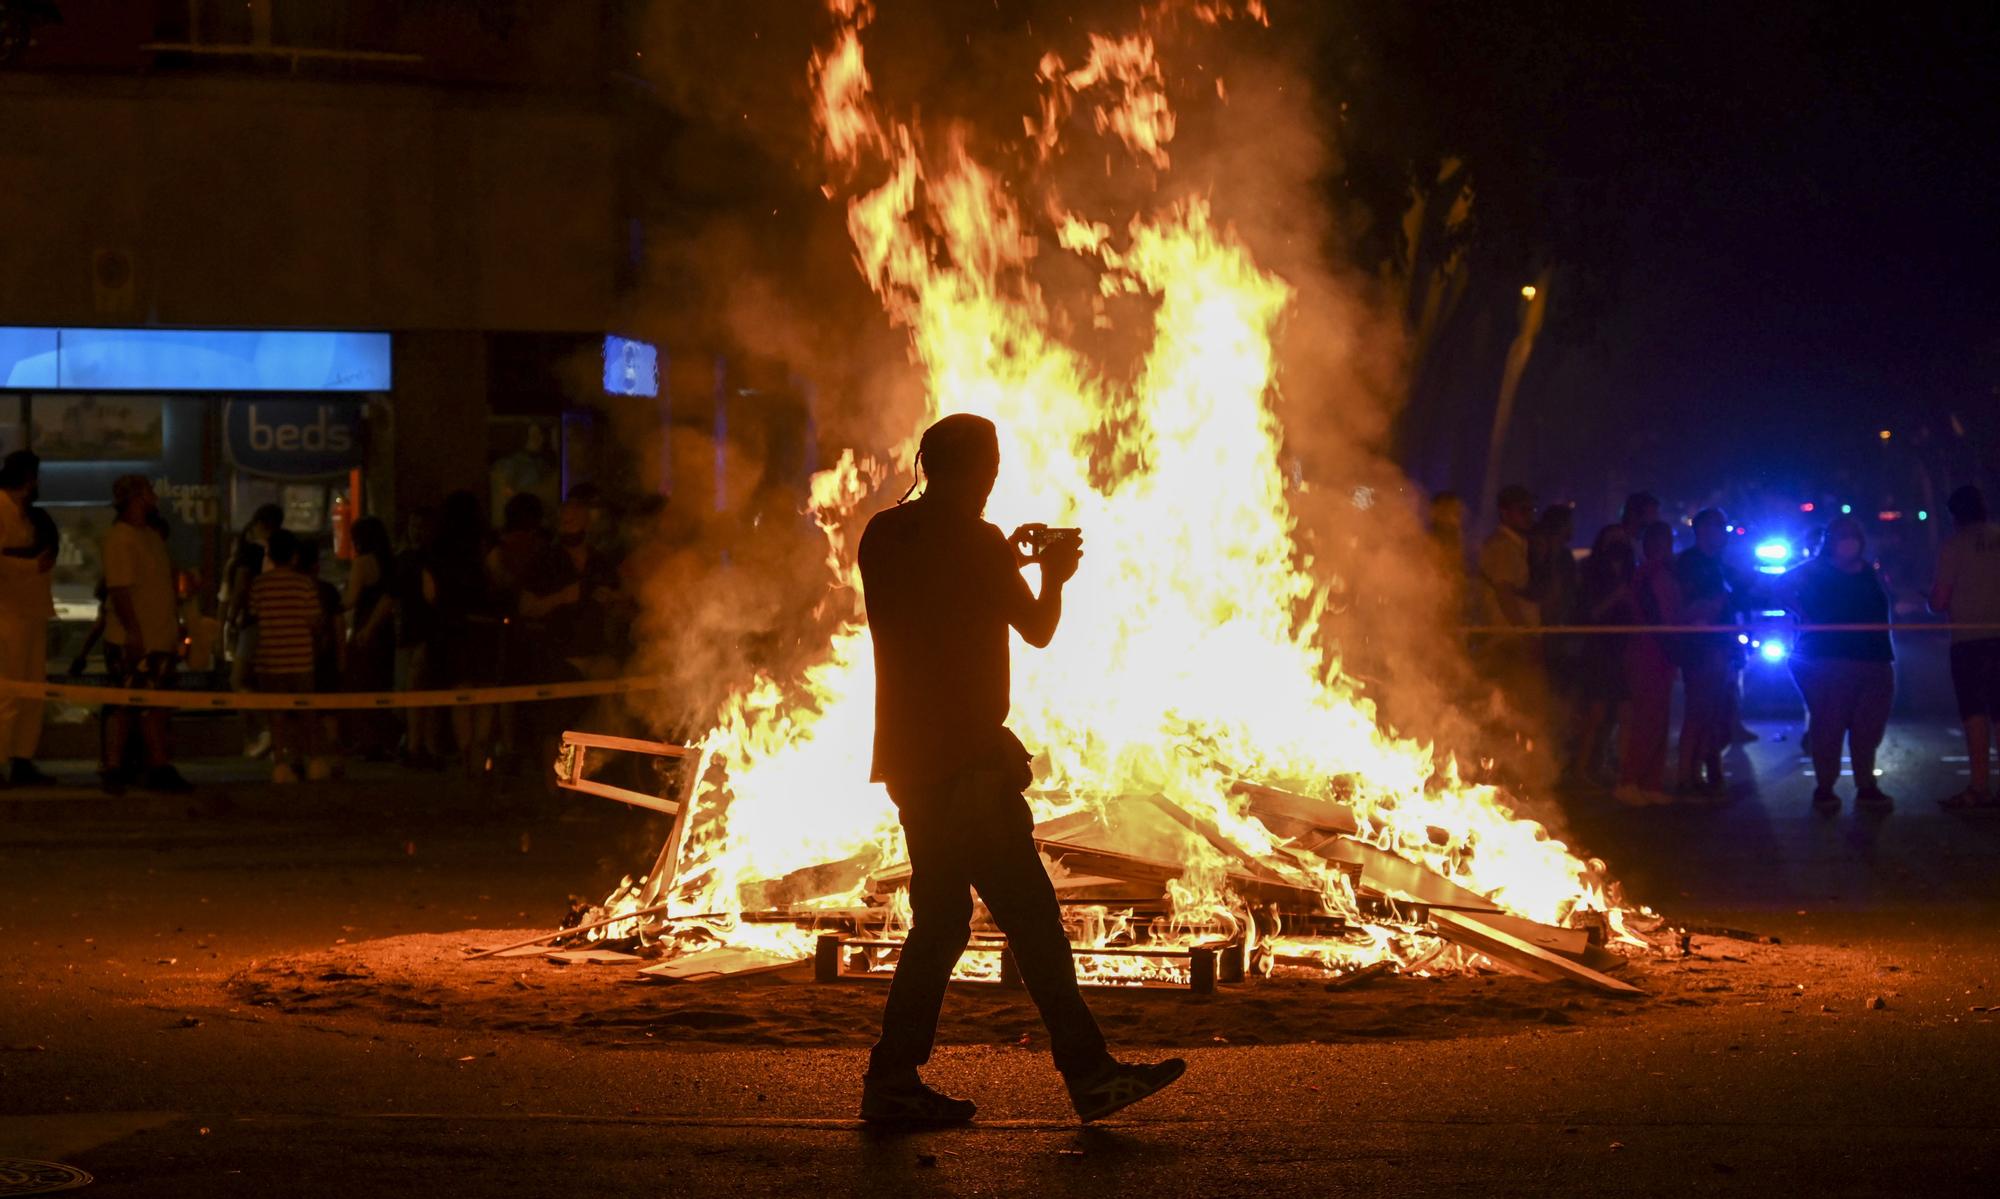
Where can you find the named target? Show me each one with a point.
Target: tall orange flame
(1192, 653)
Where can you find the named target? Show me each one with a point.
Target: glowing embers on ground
(1194, 651)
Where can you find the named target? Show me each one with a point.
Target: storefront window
(213, 461)
(295, 453)
(86, 440)
(221, 421)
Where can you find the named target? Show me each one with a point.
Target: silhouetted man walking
(942, 587)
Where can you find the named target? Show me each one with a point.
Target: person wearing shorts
(285, 603)
(1966, 590)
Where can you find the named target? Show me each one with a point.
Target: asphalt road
(121, 1055)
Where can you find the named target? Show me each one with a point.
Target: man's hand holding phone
(1058, 550)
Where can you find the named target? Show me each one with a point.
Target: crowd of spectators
(1549, 633)
(452, 606)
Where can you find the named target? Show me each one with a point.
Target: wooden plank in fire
(590, 957)
(1248, 864)
(806, 884)
(896, 877)
(1074, 888)
(1090, 888)
(1572, 943)
(665, 874)
(719, 962)
(1086, 859)
(1274, 806)
(1474, 931)
(1066, 827)
(1394, 877)
(1145, 873)
(1290, 814)
(1108, 863)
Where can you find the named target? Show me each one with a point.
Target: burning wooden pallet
(847, 959)
(1322, 842)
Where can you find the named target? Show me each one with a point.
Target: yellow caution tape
(1777, 624)
(322, 700)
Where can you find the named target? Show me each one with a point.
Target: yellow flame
(1191, 653)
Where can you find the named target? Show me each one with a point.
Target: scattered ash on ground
(426, 979)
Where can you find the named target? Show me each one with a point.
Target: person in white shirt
(142, 634)
(1504, 597)
(27, 558)
(1506, 594)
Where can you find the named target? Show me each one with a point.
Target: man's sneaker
(26, 774)
(1825, 799)
(1873, 799)
(113, 782)
(912, 1104)
(167, 780)
(283, 773)
(1119, 1086)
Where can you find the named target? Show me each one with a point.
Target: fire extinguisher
(343, 527)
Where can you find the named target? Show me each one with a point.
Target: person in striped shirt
(285, 604)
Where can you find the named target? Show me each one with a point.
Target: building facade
(346, 258)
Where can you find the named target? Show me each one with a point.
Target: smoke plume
(770, 275)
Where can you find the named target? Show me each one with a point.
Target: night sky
(1768, 223)
(1834, 258)
(1776, 220)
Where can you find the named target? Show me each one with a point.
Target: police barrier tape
(84, 693)
(322, 700)
(1772, 624)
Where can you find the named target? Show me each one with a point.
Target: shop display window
(100, 428)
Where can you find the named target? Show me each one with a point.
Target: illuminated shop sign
(295, 439)
(631, 368)
(49, 359)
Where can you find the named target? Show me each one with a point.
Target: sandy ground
(427, 979)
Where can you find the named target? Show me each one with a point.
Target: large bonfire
(1192, 656)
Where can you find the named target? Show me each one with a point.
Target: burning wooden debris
(1324, 901)
(1218, 789)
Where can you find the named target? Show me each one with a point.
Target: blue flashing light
(1923, 515)
(1773, 651)
(1774, 550)
(631, 367)
(1742, 638)
(1847, 509)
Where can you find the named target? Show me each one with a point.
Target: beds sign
(296, 439)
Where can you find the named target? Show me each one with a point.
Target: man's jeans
(975, 831)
